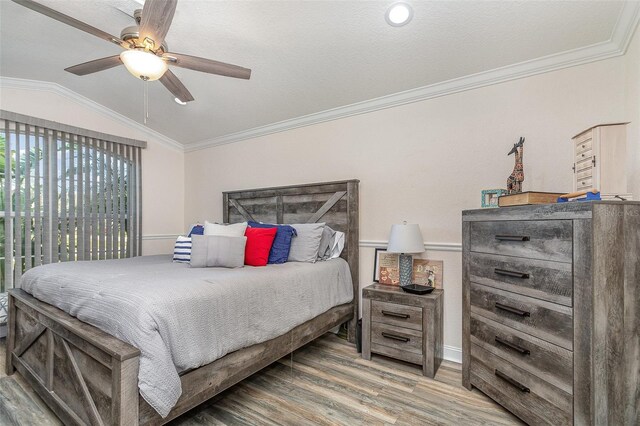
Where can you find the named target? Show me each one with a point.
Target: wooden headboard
(335, 203)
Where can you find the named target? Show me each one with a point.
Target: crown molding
(616, 46)
(46, 86)
(626, 25)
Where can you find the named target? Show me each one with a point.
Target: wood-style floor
(329, 384)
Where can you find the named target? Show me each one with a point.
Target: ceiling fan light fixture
(143, 65)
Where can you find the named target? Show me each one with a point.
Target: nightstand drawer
(530, 398)
(549, 362)
(533, 239)
(401, 338)
(395, 353)
(545, 320)
(542, 279)
(395, 314)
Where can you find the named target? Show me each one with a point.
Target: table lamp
(406, 239)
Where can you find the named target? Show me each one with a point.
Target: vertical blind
(67, 194)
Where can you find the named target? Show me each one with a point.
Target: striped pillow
(182, 250)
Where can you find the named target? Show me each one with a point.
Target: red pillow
(259, 242)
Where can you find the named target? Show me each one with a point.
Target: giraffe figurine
(514, 182)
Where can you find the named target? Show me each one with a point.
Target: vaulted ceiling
(305, 56)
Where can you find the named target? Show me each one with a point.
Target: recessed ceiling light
(179, 102)
(399, 14)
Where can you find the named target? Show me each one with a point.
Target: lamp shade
(405, 238)
(143, 65)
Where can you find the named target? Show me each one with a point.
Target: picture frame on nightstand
(427, 272)
(386, 267)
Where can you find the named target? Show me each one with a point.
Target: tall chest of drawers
(551, 311)
(600, 160)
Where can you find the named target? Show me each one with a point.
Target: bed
(87, 376)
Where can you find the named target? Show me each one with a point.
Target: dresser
(551, 311)
(600, 160)
(403, 326)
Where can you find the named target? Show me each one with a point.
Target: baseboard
(453, 354)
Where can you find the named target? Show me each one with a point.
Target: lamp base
(406, 269)
(418, 289)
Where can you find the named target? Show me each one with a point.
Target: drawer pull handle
(512, 310)
(512, 382)
(513, 346)
(511, 273)
(512, 238)
(395, 337)
(395, 315)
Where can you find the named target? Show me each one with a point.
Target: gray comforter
(182, 318)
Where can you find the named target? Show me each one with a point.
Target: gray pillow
(305, 246)
(216, 250)
(326, 243)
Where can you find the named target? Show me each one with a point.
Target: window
(65, 194)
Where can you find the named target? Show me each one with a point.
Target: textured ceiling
(305, 56)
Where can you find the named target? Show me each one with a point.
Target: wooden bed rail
(88, 377)
(205, 382)
(83, 374)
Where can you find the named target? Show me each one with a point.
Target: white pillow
(233, 230)
(338, 245)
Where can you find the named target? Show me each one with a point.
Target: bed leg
(11, 335)
(351, 331)
(125, 395)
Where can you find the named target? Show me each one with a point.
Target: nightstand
(403, 326)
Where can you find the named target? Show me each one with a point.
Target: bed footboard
(84, 375)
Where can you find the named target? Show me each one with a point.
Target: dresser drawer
(584, 183)
(585, 174)
(542, 279)
(400, 338)
(582, 156)
(585, 164)
(534, 239)
(530, 398)
(548, 321)
(395, 314)
(584, 145)
(547, 361)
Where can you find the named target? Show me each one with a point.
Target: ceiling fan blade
(208, 65)
(156, 20)
(71, 21)
(95, 65)
(175, 86)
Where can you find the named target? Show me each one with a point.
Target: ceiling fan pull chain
(146, 101)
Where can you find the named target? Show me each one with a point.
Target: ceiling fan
(146, 55)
